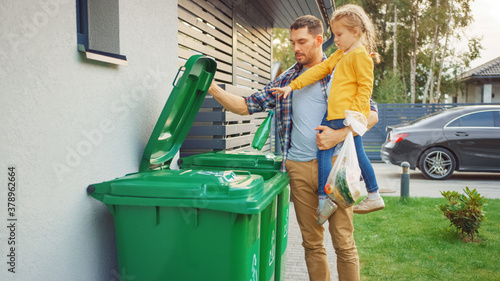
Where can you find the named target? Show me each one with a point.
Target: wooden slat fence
(237, 34)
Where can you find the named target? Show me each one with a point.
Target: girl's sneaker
(325, 213)
(369, 205)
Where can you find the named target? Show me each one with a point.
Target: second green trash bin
(274, 222)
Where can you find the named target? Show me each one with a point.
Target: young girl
(352, 84)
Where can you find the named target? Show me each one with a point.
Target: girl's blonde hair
(354, 17)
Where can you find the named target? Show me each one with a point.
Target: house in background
(482, 84)
(78, 106)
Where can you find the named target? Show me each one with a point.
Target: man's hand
(329, 137)
(231, 102)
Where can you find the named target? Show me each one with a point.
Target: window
(480, 119)
(98, 28)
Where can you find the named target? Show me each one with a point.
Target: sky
(486, 24)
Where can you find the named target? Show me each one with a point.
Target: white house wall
(68, 122)
(474, 94)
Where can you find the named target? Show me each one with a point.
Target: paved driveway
(389, 179)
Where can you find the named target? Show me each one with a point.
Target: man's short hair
(314, 25)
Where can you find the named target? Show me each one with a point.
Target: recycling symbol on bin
(255, 274)
(272, 252)
(285, 232)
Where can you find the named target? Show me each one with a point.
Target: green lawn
(412, 240)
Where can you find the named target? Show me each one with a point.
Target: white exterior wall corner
(487, 93)
(68, 122)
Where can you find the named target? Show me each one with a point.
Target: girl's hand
(285, 91)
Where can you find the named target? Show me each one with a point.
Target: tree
(395, 40)
(414, 51)
(391, 89)
(419, 27)
(282, 48)
(459, 17)
(430, 76)
(443, 55)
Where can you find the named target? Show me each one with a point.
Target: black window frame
(82, 20)
(457, 123)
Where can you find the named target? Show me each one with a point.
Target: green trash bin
(274, 219)
(189, 224)
(282, 232)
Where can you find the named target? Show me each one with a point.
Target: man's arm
(231, 102)
(330, 137)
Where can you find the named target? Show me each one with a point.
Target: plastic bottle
(262, 133)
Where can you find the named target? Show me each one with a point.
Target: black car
(461, 138)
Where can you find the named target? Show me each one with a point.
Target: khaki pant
(304, 193)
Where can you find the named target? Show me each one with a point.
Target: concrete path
(389, 180)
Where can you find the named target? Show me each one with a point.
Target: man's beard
(303, 60)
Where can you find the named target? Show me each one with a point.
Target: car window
(496, 115)
(480, 119)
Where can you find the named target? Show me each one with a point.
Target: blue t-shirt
(308, 109)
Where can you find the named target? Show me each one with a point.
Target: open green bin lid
(179, 112)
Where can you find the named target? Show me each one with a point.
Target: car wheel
(437, 163)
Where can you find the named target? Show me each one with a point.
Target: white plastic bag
(357, 121)
(342, 184)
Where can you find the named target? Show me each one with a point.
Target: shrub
(464, 211)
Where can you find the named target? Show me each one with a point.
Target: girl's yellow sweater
(352, 82)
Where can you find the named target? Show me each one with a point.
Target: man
(299, 142)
